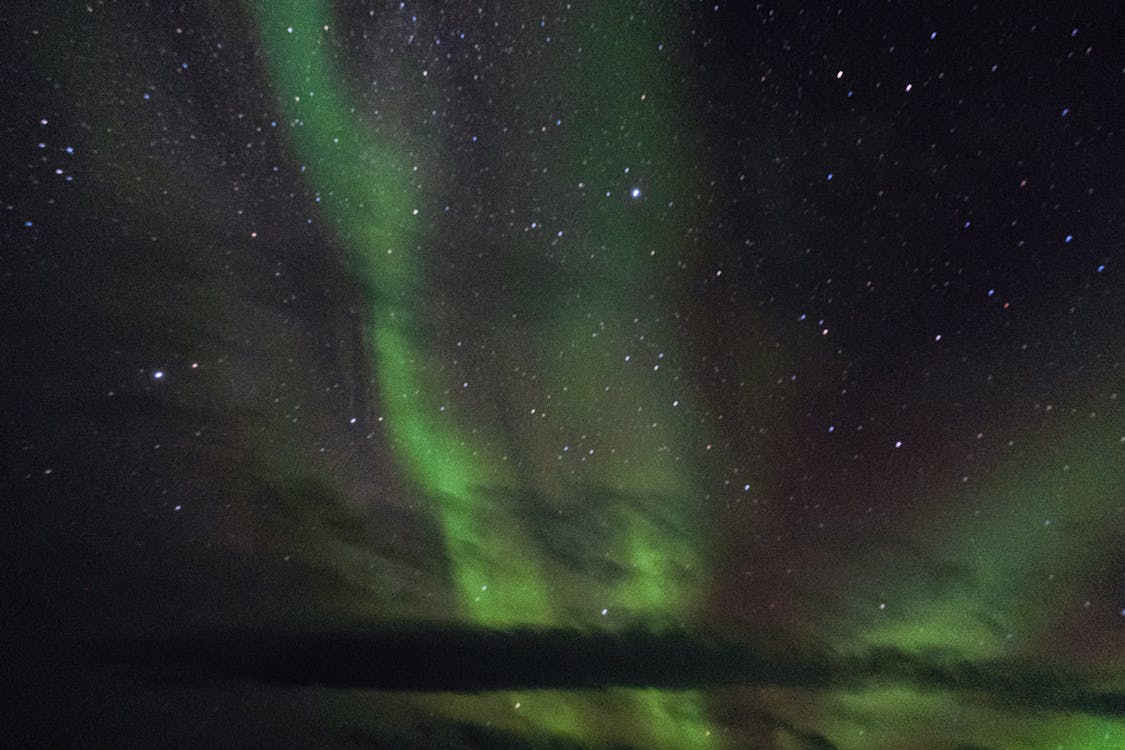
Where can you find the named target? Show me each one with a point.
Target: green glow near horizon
(1017, 552)
(1019, 562)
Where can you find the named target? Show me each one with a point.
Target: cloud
(461, 659)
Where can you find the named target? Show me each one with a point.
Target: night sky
(564, 375)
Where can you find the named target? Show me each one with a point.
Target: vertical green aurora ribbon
(372, 201)
(366, 190)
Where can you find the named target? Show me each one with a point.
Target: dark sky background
(569, 375)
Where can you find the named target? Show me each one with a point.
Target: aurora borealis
(616, 375)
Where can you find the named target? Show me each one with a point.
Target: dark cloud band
(475, 660)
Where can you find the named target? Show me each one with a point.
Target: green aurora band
(376, 206)
(372, 202)
(367, 191)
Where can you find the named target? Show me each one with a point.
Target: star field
(691, 375)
